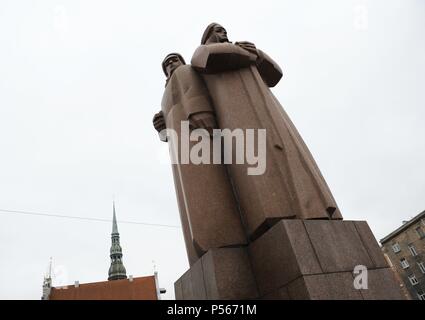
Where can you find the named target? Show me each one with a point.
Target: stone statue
(227, 87)
(207, 205)
(274, 234)
(237, 77)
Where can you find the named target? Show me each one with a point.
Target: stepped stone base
(295, 259)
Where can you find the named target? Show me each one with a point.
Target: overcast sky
(81, 80)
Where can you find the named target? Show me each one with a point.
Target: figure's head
(214, 33)
(171, 62)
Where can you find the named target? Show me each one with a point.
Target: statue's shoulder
(184, 68)
(184, 75)
(183, 78)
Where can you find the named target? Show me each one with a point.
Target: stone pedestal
(315, 259)
(223, 273)
(294, 259)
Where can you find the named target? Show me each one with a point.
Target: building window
(421, 266)
(404, 263)
(413, 280)
(420, 232)
(421, 295)
(396, 247)
(412, 250)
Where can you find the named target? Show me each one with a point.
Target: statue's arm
(220, 57)
(268, 69)
(197, 103)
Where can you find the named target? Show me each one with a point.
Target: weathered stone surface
(191, 285)
(228, 274)
(281, 255)
(315, 259)
(210, 280)
(197, 281)
(278, 294)
(371, 245)
(223, 273)
(382, 285)
(330, 286)
(338, 245)
(186, 285)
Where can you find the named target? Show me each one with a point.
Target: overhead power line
(4, 211)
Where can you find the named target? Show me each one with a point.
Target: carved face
(171, 64)
(218, 34)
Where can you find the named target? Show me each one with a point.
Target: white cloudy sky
(81, 80)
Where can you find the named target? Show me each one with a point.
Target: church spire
(116, 270)
(114, 221)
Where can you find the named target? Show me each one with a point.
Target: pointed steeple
(116, 270)
(114, 221)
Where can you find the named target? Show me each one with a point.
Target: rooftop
(403, 227)
(141, 288)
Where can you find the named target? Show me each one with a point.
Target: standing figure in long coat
(208, 208)
(237, 77)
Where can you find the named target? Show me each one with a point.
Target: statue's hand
(248, 46)
(159, 121)
(160, 126)
(203, 120)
